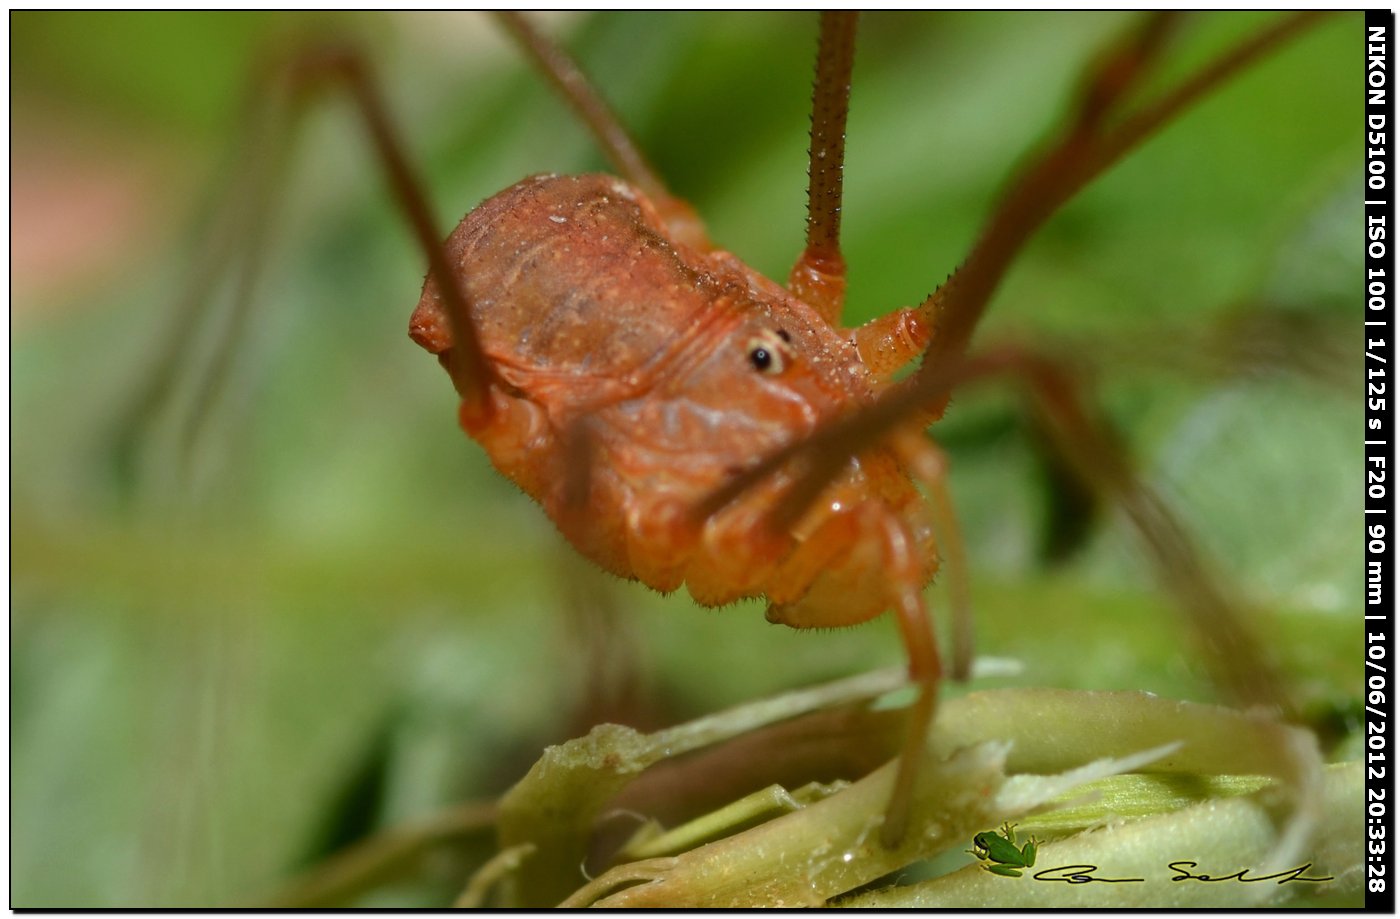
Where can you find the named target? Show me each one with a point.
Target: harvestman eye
(768, 351)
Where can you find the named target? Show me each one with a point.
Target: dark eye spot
(768, 352)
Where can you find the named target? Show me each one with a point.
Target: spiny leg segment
(819, 276)
(1090, 142)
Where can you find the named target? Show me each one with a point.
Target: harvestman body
(680, 368)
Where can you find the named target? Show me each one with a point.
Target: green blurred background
(327, 614)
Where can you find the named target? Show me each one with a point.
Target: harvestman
(735, 437)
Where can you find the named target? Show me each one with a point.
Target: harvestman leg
(1095, 137)
(907, 595)
(871, 524)
(928, 464)
(465, 362)
(608, 132)
(234, 243)
(241, 241)
(819, 276)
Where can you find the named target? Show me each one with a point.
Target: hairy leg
(819, 276)
(1094, 136)
(613, 139)
(929, 465)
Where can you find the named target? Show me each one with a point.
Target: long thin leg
(1080, 154)
(466, 364)
(905, 571)
(1093, 138)
(241, 239)
(1232, 653)
(929, 465)
(248, 265)
(819, 276)
(566, 76)
(238, 239)
(598, 649)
